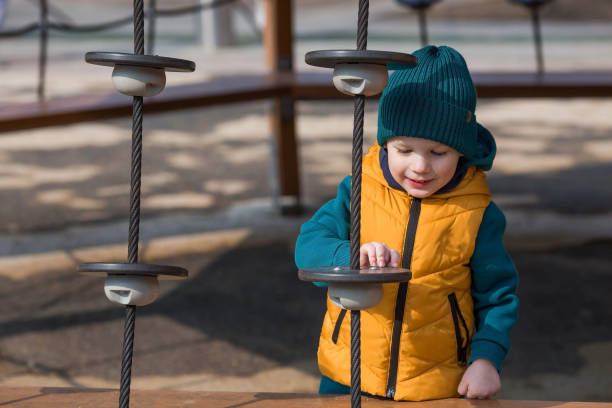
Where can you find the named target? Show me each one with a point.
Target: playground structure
(48, 397)
(284, 86)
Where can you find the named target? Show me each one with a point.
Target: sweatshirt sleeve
(494, 283)
(324, 239)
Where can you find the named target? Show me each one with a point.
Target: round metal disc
(134, 269)
(110, 59)
(366, 274)
(329, 58)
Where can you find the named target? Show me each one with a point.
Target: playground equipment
(420, 6)
(359, 73)
(46, 23)
(534, 7)
(134, 284)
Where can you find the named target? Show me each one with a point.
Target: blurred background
(212, 201)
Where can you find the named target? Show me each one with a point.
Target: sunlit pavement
(243, 321)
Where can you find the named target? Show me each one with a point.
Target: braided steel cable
(16, 32)
(362, 43)
(356, 180)
(139, 27)
(355, 359)
(362, 24)
(86, 28)
(134, 228)
(126, 361)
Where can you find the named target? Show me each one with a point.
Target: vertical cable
(362, 43)
(362, 25)
(134, 228)
(135, 176)
(355, 359)
(126, 360)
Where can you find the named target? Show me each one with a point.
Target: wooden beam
(278, 44)
(278, 35)
(51, 397)
(66, 110)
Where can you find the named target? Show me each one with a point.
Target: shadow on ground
(244, 311)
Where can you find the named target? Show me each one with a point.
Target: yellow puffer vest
(424, 356)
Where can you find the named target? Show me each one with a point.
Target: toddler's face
(421, 166)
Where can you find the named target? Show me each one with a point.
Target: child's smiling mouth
(418, 183)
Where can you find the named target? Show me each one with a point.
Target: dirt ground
(243, 321)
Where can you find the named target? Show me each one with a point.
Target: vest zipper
(337, 326)
(400, 303)
(462, 349)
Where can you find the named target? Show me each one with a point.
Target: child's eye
(403, 151)
(435, 153)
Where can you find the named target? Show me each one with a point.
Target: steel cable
(134, 227)
(135, 176)
(16, 32)
(126, 361)
(355, 233)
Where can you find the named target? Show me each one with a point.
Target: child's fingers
(363, 258)
(394, 255)
(377, 254)
(370, 254)
(364, 255)
(462, 388)
(381, 254)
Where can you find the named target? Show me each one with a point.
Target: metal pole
(151, 32)
(42, 56)
(537, 36)
(423, 25)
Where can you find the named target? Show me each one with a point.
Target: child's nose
(420, 164)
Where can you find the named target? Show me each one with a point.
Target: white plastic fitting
(131, 290)
(360, 79)
(139, 81)
(355, 296)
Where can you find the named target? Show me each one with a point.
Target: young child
(426, 206)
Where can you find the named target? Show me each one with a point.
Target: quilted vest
(415, 342)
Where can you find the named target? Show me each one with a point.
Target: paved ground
(243, 321)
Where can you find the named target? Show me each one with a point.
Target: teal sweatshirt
(324, 241)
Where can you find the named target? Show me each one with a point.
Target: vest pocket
(458, 320)
(337, 326)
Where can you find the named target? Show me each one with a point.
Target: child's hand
(481, 380)
(377, 254)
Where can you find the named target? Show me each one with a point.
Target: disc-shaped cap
(366, 274)
(330, 58)
(134, 269)
(110, 59)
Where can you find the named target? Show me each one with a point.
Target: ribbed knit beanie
(433, 100)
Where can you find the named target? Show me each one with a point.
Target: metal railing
(152, 12)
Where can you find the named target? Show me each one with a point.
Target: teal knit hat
(433, 100)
